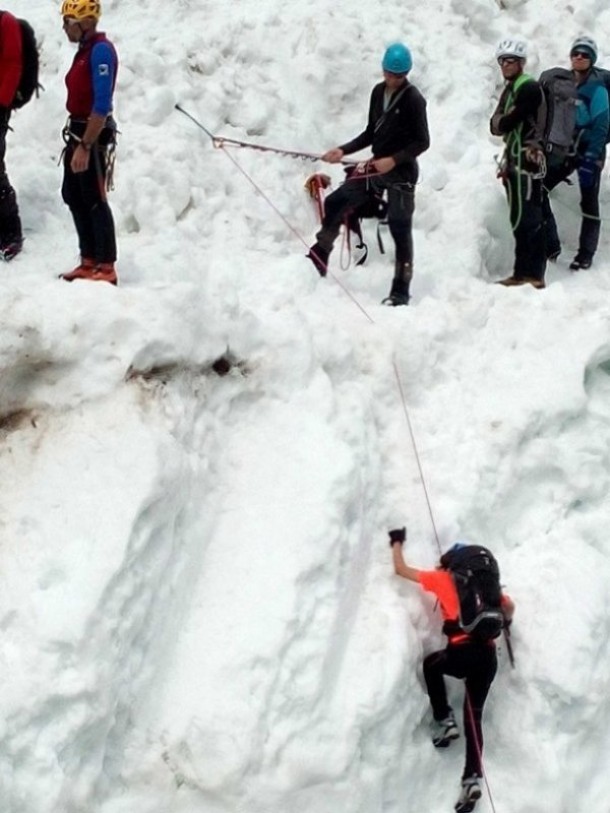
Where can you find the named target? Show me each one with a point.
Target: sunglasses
(580, 55)
(508, 60)
(70, 21)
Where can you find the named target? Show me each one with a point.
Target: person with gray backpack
(466, 584)
(577, 132)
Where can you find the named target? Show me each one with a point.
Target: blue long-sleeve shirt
(592, 118)
(103, 71)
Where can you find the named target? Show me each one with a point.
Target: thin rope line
(415, 450)
(479, 750)
(298, 235)
(361, 308)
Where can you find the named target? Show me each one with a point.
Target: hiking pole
(220, 142)
(509, 646)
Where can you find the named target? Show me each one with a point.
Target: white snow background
(198, 612)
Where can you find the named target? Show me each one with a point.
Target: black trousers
(589, 206)
(10, 222)
(524, 195)
(476, 664)
(85, 194)
(354, 193)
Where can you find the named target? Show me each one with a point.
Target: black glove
(397, 535)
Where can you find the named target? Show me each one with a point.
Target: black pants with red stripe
(476, 664)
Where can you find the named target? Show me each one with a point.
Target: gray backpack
(561, 99)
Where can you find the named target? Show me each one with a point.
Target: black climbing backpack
(477, 580)
(30, 63)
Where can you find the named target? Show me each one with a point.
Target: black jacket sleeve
(526, 106)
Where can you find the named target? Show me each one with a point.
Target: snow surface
(197, 603)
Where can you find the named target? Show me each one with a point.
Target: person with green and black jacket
(520, 119)
(397, 132)
(587, 155)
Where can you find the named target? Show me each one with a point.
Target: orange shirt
(441, 584)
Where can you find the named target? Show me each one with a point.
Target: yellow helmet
(80, 9)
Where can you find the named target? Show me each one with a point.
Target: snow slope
(197, 603)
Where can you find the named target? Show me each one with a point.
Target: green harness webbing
(514, 150)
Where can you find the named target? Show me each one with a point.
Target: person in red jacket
(89, 134)
(465, 658)
(11, 236)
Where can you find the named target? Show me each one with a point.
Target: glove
(588, 173)
(398, 535)
(534, 155)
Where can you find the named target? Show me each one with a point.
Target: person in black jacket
(520, 119)
(397, 132)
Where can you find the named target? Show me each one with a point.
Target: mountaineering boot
(470, 795)
(510, 282)
(97, 272)
(399, 292)
(11, 248)
(444, 731)
(86, 264)
(581, 261)
(319, 257)
(360, 252)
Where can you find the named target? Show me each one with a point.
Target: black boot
(319, 257)
(399, 293)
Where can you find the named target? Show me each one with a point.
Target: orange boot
(97, 272)
(85, 265)
(105, 272)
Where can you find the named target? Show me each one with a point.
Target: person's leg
(530, 250)
(525, 210)
(11, 235)
(101, 216)
(556, 173)
(338, 204)
(85, 194)
(481, 671)
(434, 668)
(591, 223)
(73, 194)
(401, 205)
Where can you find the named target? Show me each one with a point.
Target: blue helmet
(397, 59)
(448, 555)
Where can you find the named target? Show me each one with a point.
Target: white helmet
(512, 47)
(585, 44)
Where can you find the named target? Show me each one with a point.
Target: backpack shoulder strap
(392, 105)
